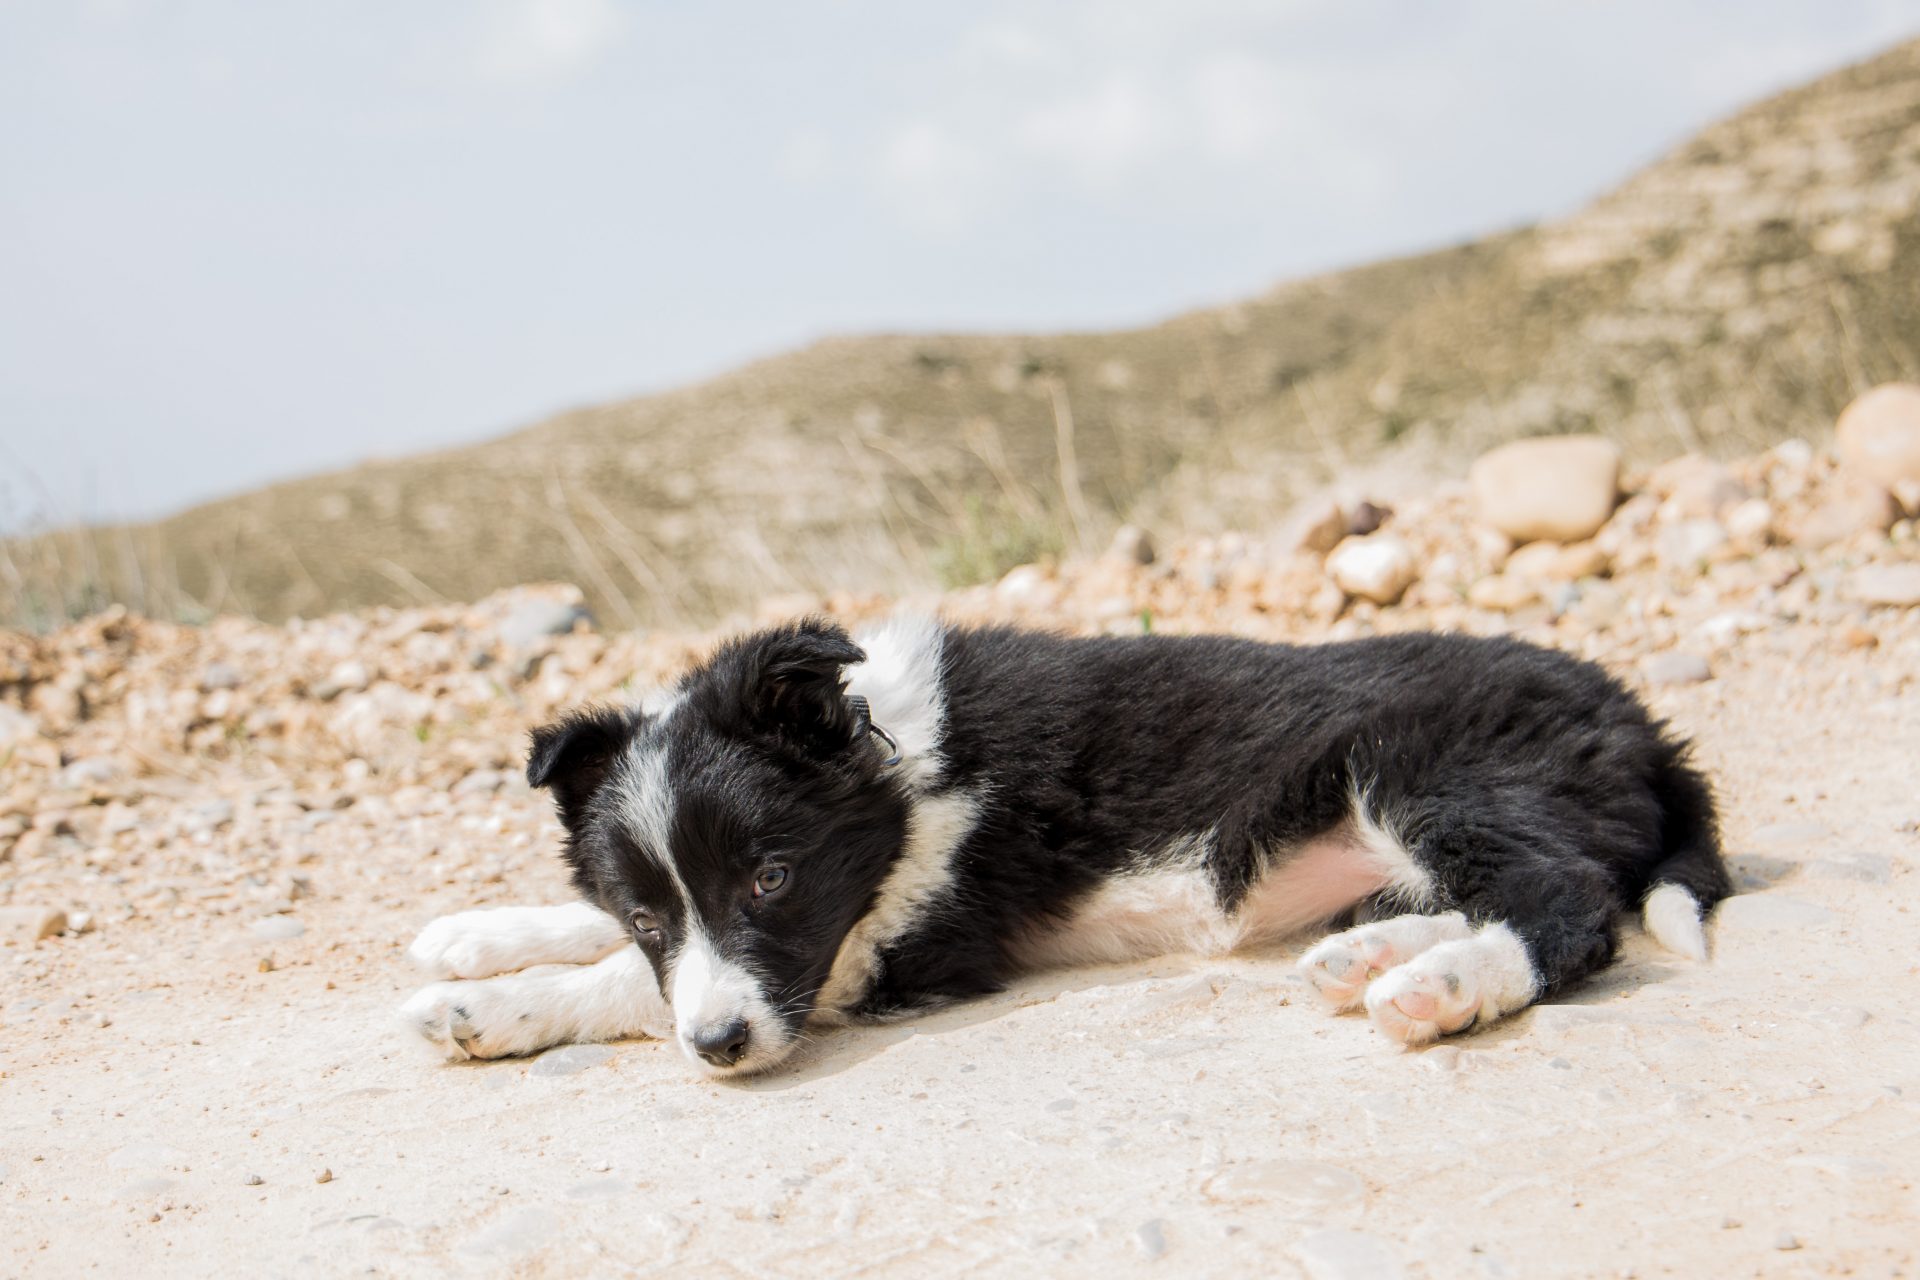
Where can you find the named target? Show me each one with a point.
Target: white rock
(1675, 668)
(16, 726)
(1893, 585)
(1559, 488)
(1378, 567)
(1879, 435)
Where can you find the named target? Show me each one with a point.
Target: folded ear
(790, 684)
(574, 756)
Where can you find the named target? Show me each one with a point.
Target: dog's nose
(721, 1043)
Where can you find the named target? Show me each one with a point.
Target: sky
(241, 241)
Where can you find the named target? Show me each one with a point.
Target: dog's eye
(645, 923)
(769, 881)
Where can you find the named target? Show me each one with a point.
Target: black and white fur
(754, 856)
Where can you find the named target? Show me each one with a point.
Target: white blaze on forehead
(645, 806)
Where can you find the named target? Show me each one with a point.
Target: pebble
(1675, 668)
(569, 1059)
(1879, 435)
(1338, 1254)
(1553, 488)
(1786, 1242)
(1151, 1238)
(325, 1175)
(253, 1180)
(277, 928)
(30, 924)
(220, 675)
(1378, 567)
(1893, 585)
(531, 621)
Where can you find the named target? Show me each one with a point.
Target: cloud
(533, 41)
(1104, 134)
(938, 178)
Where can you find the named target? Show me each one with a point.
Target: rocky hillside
(1737, 292)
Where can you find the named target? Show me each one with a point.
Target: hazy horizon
(240, 244)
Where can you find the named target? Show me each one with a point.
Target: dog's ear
(791, 687)
(574, 755)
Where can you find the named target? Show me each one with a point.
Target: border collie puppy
(810, 827)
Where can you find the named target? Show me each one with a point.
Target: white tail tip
(1672, 916)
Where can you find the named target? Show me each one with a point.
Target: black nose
(721, 1043)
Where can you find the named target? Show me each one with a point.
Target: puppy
(809, 828)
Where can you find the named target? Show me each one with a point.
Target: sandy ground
(169, 1108)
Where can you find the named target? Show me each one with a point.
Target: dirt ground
(209, 1076)
(1754, 1116)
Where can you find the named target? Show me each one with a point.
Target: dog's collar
(863, 727)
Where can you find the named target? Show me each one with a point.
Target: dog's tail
(1691, 879)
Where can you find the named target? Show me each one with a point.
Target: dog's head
(739, 831)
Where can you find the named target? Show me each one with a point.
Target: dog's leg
(1542, 910)
(1341, 966)
(612, 999)
(479, 944)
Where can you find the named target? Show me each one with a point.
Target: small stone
(1750, 521)
(1316, 526)
(481, 782)
(534, 620)
(1858, 509)
(1879, 435)
(1786, 1242)
(16, 726)
(220, 675)
(325, 1175)
(254, 1180)
(30, 924)
(1026, 586)
(1365, 517)
(1379, 567)
(93, 771)
(1151, 1238)
(1131, 545)
(277, 928)
(1502, 593)
(1553, 488)
(1675, 668)
(1891, 585)
(79, 922)
(1690, 544)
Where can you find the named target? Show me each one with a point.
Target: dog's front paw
(474, 1020)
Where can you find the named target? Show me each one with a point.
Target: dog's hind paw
(1340, 967)
(1453, 985)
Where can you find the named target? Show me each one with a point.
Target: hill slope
(1739, 290)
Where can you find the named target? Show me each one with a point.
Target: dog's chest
(1174, 907)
